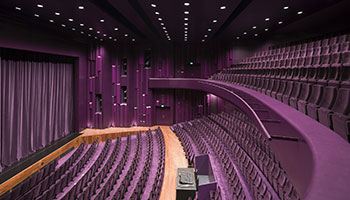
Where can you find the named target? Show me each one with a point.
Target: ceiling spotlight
(51, 21)
(98, 32)
(280, 22)
(255, 34)
(187, 12)
(209, 29)
(73, 29)
(165, 31)
(160, 19)
(186, 24)
(110, 38)
(91, 29)
(102, 20)
(186, 4)
(157, 13)
(70, 19)
(18, 8)
(186, 28)
(82, 32)
(95, 37)
(285, 8)
(254, 27)
(40, 6)
(205, 35)
(203, 40)
(133, 39)
(266, 29)
(89, 35)
(36, 15)
(57, 13)
(81, 24)
(162, 24)
(214, 21)
(115, 40)
(104, 35)
(116, 29)
(185, 31)
(185, 19)
(153, 5)
(267, 19)
(223, 7)
(81, 7)
(237, 38)
(126, 35)
(164, 27)
(244, 33)
(185, 35)
(101, 39)
(300, 12)
(63, 25)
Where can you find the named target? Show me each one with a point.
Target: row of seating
(106, 170)
(250, 168)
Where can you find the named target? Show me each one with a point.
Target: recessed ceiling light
(214, 21)
(164, 27)
(115, 28)
(165, 31)
(104, 35)
(185, 31)
(102, 20)
(40, 6)
(98, 32)
(36, 15)
(254, 27)
(185, 18)
(153, 5)
(95, 37)
(91, 29)
(57, 13)
(101, 39)
(285, 8)
(63, 25)
(73, 29)
(186, 4)
(133, 39)
(70, 20)
(186, 28)
(237, 38)
(81, 24)
(267, 19)
(89, 35)
(209, 29)
(110, 37)
(244, 33)
(162, 24)
(115, 40)
(185, 35)
(81, 7)
(280, 22)
(205, 35)
(51, 21)
(187, 12)
(160, 19)
(266, 29)
(300, 12)
(126, 35)
(18, 8)
(157, 13)
(185, 24)
(82, 32)
(255, 34)
(203, 40)
(223, 7)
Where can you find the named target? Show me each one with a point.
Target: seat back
(328, 97)
(305, 91)
(316, 94)
(342, 102)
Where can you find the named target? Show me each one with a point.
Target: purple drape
(36, 99)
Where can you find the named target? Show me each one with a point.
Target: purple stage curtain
(36, 99)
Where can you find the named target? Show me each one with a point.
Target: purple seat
(327, 101)
(341, 113)
(315, 98)
(325, 113)
(295, 90)
(303, 96)
(286, 92)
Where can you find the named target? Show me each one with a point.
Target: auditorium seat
(314, 99)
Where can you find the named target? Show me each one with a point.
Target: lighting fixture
(186, 24)
(40, 6)
(63, 25)
(285, 8)
(133, 39)
(209, 29)
(36, 15)
(205, 35)
(254, 27)
(214, 21)
(160, 19)
(115, 40)
(91, 29)
(102, 20)
(187, 12)
(104, 35)
(116, 29)
(82, 32)
(186, 4)
(185, 18)
(98, 32)
(153, 5)
(300, 12)
(223, 7)
(280, 22)
(57, 13)
(237, 38)
(255, 34)
(101, 40)
(81, 7)
(89, 35)
(81, 24)
(110, 38)
(157, 13)
(267, 19)
(126, 35)
(244, 33)
(70, 19)
(51, 21)
(18, 8)
(203, 40)
(186, 28)
(73, 29)
(164, 27)
(266, 29)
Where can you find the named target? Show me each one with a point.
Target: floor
(174, 156)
